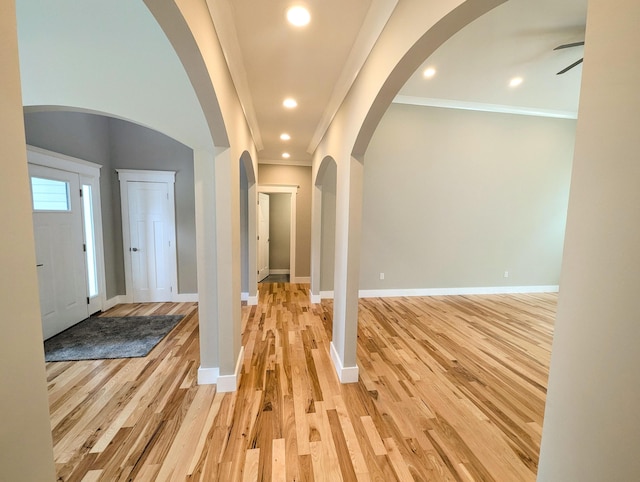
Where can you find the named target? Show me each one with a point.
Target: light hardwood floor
(451, 388)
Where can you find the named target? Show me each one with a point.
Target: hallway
(451, 388)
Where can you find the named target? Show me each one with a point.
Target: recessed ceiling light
(515, 82)
(429, 72)
(285, 136)
(286, 155)
(298, 16)
(290, 103)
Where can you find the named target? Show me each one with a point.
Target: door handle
(134, 249)
(39, 265)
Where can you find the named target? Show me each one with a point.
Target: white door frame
(89, 174)
(262, 196)
(134, 175)
(293, 190)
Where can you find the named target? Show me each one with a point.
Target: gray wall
(85, 136)
(295, 176)
(136, 147)
(117, 144)
(455, 198)
(279, 230)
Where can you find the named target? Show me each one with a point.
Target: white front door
(150, 231)
(263, 236)
(60, 256)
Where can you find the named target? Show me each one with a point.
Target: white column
(205, 198)
(592, 421)
(316, 242)
(347, 268)
(253, 244)
(25, 433)
(217, 193)
(227, 187)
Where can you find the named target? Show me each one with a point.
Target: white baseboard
(324, 295)
(345, 374)
(225, 383)
(314, 299)
(208, 376)
(251, 300)
(301, 279)
(495, 290)
(230, 383)
(278, 271)
(116, 300)
(186, 298)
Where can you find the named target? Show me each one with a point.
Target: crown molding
(479, 106)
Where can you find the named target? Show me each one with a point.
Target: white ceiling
(93, 54)
(108, 57)
(270, 60)
(515, 39)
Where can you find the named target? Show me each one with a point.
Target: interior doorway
(277, 233)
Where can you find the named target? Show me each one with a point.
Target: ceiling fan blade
(567, 46)
(566, 69)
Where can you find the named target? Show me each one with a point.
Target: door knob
(134, 249)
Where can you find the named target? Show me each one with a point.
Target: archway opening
(247, 222)
(326, 182)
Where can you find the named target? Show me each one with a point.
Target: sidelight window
(90, 240)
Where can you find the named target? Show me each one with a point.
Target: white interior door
(263, 236)
(150, 229)
(60, 257)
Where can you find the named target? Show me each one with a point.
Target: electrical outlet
(381, 275)
(506, 274)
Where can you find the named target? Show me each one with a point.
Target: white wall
(108, 57)
(453, 199)
(26, 451)
(591, 427)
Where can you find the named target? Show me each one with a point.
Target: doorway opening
(325, 189)
(276, 233)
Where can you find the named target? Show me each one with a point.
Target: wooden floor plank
(451, 389)
(251, 465)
